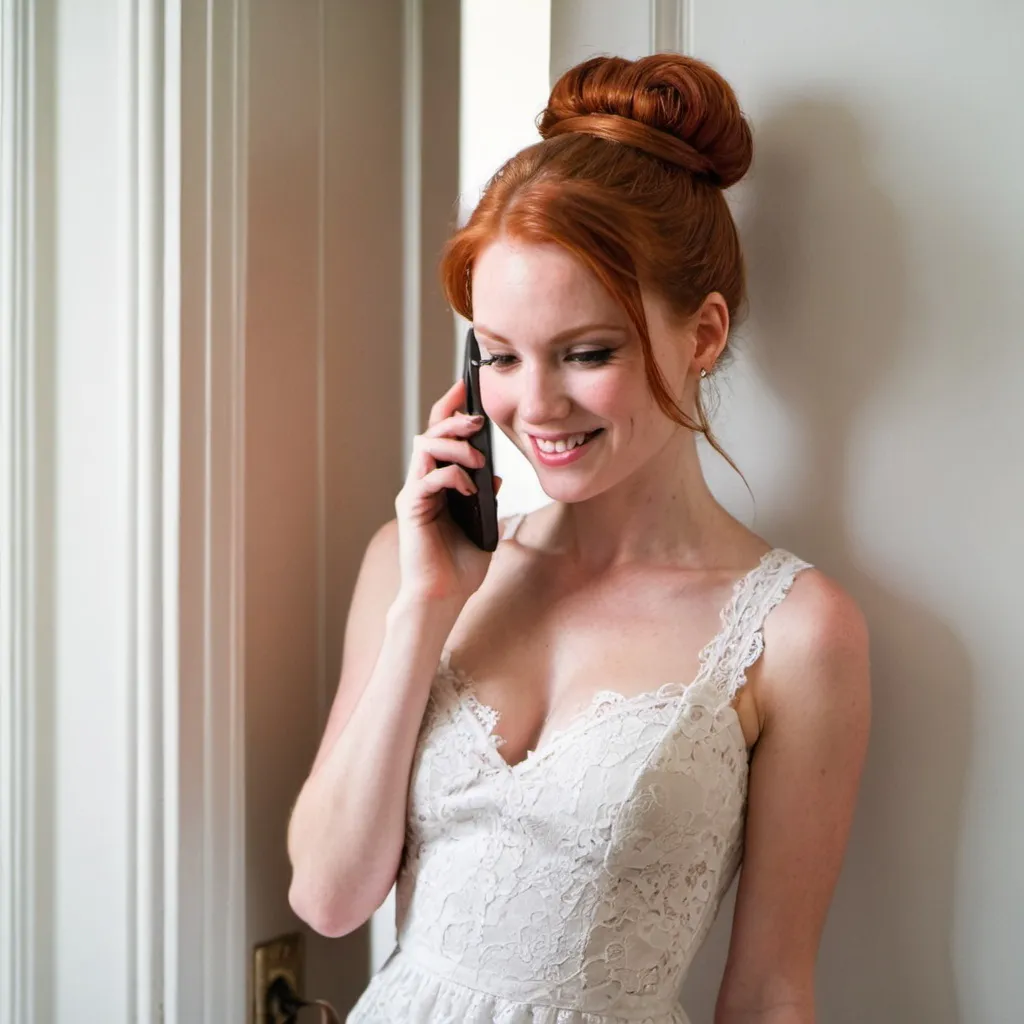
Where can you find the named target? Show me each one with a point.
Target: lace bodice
(576, 885)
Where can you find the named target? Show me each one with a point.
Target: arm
(347, 827)
(813, 698)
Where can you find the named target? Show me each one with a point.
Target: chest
(537, 649)
(637, 810)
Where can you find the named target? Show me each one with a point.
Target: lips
(566, 457)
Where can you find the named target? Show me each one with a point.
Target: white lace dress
(575, 886)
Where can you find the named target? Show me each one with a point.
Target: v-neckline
(465, 693)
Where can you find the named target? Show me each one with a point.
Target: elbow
(323, 914)
(314, 894)
(334, 909)
(335, 897)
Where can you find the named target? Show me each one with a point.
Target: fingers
(448, 476)
(448, 403)
(419, 491)
(448, 449)
(459, 425)
(444, 440)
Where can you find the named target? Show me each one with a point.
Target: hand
(438, 561)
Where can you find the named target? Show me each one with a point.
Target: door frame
(180, 240)
(177, 183)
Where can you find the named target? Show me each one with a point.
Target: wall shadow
(828, 321)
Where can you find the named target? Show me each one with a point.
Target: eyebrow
(565, 335)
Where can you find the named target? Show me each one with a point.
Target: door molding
(17, 515)
(152, 493)
(173, 260)
(207, 964)
(672, 26)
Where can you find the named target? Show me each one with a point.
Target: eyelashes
(594, 357)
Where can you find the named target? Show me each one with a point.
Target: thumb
(497, 484)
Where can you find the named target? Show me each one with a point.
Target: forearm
(347, 828)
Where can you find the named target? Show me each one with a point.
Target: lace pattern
(742, 639)
(723, 661)
(575, 886)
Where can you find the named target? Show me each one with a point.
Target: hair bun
(673, 106)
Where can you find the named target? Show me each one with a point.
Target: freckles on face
(525, 296)
(529, 294)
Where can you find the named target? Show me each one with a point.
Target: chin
(567, 494)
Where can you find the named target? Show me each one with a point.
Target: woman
(564, 750)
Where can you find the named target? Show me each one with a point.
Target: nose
(542, 400)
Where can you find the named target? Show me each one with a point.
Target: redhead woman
(564, 751)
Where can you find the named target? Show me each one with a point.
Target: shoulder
(804, 778)
(380, 573)
(816, 647)
(818, 613)
(382, 547)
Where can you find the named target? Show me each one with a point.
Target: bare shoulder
(816, 645)
(804, 779)
(380, 574)
(384, 541)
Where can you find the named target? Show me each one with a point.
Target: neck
(663, 512)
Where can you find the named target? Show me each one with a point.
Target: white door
(212, 310)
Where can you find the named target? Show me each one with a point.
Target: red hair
(629, 178)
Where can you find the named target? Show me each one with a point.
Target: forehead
(529, 289)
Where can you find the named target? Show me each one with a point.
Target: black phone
(476, 514)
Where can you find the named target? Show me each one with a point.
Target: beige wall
(330, 332)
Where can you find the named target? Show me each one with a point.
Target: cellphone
(475, 514)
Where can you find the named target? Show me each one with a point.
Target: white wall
(585, 28)
(876, 412)
(505, 86)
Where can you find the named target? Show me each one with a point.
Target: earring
(703, 372)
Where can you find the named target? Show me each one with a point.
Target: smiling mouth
(587, 437)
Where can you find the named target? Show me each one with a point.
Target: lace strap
(512, 524)
(743, 640)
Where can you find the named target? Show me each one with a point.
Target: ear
(710, 330)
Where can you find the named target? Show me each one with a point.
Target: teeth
(561, 446)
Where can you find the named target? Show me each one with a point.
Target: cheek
(497, 396)
(606, 394)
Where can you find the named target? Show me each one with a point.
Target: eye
(594, 357)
